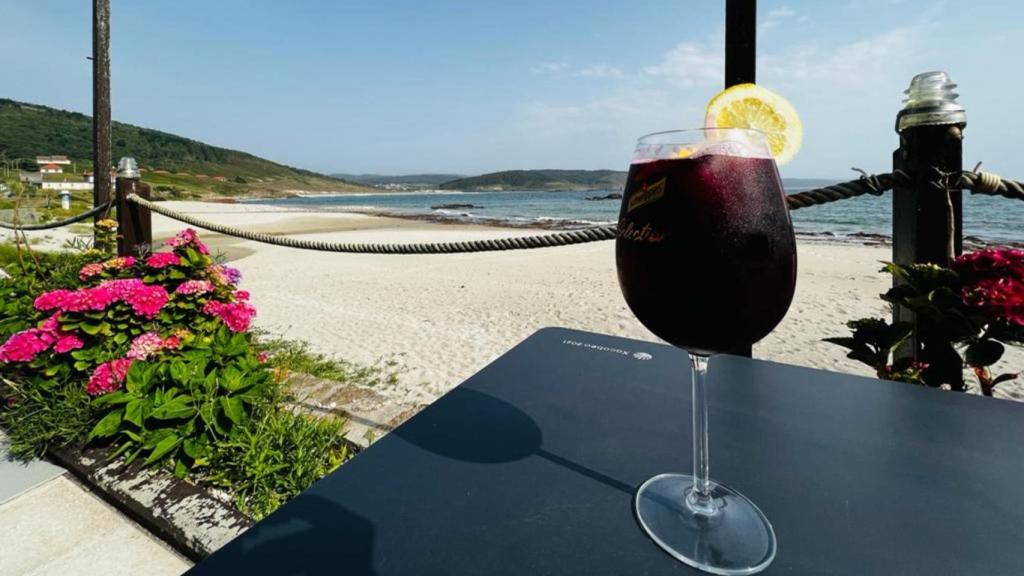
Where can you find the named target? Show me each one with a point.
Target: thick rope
(866, 184)
(978, 182)
(51, 225)
(991, 184)
(522, 243)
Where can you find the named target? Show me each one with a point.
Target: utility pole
(101, 102)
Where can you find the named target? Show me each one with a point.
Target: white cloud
(775, 17)
(690, 64)
(599, 71)
(549, 67)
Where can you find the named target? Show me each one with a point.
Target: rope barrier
(522, 243)
(977, 182)
(51, 225)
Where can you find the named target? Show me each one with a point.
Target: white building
(50, 169)
(67, 185)
(60, 160)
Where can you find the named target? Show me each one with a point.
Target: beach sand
(444, 317)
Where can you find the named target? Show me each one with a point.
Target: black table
(530, 466)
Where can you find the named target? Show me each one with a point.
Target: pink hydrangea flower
(67, 342)
(147, 300)
(195, 287)
(262, 357)
(145, 346)
(27, 344)
(24, 346)
(163, 260)
(236, 315)
(187, 237)
(172, 342)
(90, 270)
(108, 376)
(56, 299)
(242, 295)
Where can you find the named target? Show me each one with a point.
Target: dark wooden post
(101, 102)
(134, 223)
(927, 215)
(740, 62)
(740, 41)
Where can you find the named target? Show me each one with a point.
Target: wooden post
(101, 103)
(740, 63)
(927, 215)
(134, 223)
(740, 41)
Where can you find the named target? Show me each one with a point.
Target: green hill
(173, 163)
(403, 180)
(541, 180)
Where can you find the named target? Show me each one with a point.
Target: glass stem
(699, 499)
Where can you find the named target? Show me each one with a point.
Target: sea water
(990, 219)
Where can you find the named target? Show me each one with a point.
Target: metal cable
(978, 182)
(51, 225)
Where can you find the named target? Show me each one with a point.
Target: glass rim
(704, 130)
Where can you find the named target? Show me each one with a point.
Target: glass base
(733, 538)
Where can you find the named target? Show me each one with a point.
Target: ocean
(991, 220)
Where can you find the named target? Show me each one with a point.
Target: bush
(972, 309)
(154, 358)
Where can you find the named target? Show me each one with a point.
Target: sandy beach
(443, 317)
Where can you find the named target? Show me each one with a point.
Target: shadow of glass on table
(487, 430)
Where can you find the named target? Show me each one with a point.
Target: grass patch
(297, 356)
(278, 457)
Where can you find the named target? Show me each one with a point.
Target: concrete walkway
(51, 525)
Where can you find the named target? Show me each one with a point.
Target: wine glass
(707, 261)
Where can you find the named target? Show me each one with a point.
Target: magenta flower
(24, 346)
(147, 300)
(56, 299)
(195, 287)
(163, 260)
(242, 295)
(90, 270)
(108, 376)
(66, 342)
(145, 346)
(236, 315)
(187, 237)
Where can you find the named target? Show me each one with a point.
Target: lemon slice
(751, 106)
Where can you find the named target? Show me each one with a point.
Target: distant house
(60, 160)
(50, 169)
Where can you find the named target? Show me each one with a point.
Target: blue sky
(456, 86)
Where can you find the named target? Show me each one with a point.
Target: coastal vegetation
(541, 180)
(154, 360)
(174, 162)
(972, 310)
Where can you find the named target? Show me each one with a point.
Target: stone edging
(190, 519)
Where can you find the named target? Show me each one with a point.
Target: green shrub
(154, 357)
(278, 457)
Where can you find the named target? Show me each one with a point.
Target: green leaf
(177, 407)
(118, 397)
(120, 338)
(107, 426)
(233, 409)
(140, 376)
(137, 411)
(984, 353)
(170, 442)
(91, 329)
(180, 373)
